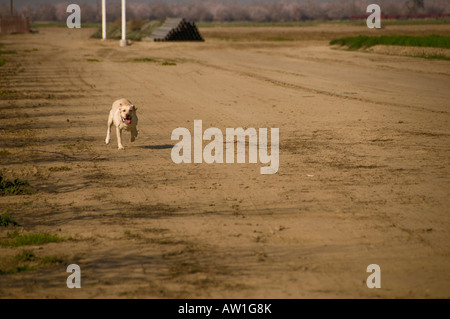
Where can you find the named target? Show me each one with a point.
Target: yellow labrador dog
(123, 115)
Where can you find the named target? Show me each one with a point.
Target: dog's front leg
(119, 138)
(108, 131)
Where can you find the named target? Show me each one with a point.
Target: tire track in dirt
(293, 86)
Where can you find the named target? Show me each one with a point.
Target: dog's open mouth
(126, 120)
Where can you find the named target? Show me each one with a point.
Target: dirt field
(363, 177)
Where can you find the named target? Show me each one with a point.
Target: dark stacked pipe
(176, 29)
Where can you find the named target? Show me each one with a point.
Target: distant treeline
(262, 11)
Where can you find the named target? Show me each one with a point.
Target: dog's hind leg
(134, 134)
(108, 131)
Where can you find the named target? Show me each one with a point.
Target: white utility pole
(123, 42)
(103, 20)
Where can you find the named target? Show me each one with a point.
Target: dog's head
(127, 112)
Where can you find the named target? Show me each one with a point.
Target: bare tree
(414, 6)
(61, 11)
(159, 10)
(140, 11)
(113, 11)
(88, 12)
(4, 10)
(195, 11)
(46, 12)
(418, 3)
(438, 6)
(27, 11)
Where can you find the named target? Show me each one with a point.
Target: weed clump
(6, 220)
(15, 187)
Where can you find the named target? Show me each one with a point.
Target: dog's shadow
(156, 147)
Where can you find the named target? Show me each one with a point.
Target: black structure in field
(176, 29)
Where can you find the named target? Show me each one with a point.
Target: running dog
(123, 116)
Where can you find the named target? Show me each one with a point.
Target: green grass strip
(431, 41)
(15, 239)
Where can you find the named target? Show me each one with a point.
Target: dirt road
(363, 176)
